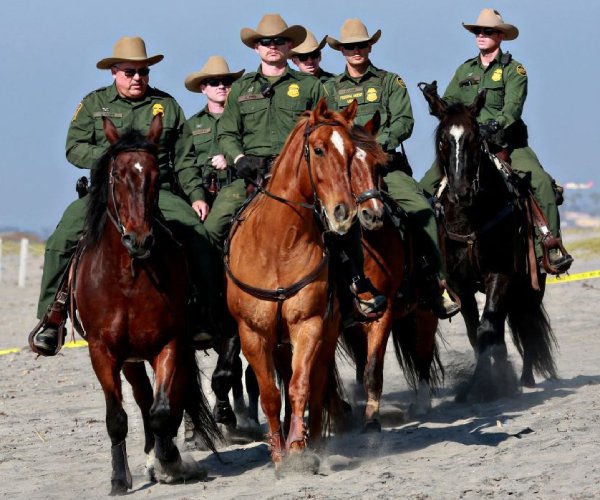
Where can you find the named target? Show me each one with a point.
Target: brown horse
(388, 263)
(130, 294)
(277, 277)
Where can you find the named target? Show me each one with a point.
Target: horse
(484, 234)
(388, 263)
(129, 297)
(277, 281)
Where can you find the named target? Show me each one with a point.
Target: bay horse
(130, 293)
(388, 263)
(277, 280)
(484, 233)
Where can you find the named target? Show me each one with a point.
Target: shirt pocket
(116, 118)
(254, 107)
(202, 139)
(292, 108)
(495, 94)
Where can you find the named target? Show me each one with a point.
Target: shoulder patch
(77, 110)
(521, 70)
(400, 82)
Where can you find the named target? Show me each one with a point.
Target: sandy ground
(543, 443)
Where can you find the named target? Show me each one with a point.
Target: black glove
(492, 132)
(247, 167)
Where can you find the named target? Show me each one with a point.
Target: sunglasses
(131, 72)
(267, 42)
(484, 31)
(313, 55)
(215, 82)
(356, 45)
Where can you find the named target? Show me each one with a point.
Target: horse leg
(223, 379)
(260, 357)
(283, 364)
(253, 393)
(108, 373)
(470, 314)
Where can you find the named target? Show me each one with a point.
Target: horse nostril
(148, 242)
(340, 212)
(367, 215)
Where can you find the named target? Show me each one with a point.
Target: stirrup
(369, 308)
(49, 320)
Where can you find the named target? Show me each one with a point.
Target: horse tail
(413, 336)
(353, 345)
(532, 333)
(335, 408)
(197, 407)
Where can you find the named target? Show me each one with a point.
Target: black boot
(442, 306)
(369, 303)
(46, 340)
(201, 324)
(559, 261)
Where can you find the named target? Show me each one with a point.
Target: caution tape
(573, 277)
(68, 345)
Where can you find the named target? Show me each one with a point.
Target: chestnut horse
(388, 263)
(484, 233)
(130, 293)
(277, 277)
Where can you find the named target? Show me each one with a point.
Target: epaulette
(101, 89)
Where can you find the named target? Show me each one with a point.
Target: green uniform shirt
(376, 90)
(506, 89)
(257, 125)
(86, 141)
(324, 76)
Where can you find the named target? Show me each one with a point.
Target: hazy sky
(49, 51)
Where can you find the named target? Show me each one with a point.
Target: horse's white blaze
(338, 141)
(457, 131)
(361, 154)
(138, 167)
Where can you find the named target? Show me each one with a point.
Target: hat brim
(299, 50)
(296, 34)
(510, 32)
(338, 44)
(194, 80)
(109, 62)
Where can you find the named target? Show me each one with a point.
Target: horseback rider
(129, 103)
(214, 81)
(501, 125)
(379, 90)
(307, 57)
(261, 111)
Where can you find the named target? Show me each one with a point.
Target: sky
(50, 48)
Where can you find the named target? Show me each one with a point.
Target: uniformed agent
(130, 102)
(261, 111)
(307, 57)
(214, 81)
(505, 81)
(379, 90)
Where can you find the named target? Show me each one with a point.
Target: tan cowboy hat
(353, 30)
(129, 49)
(309, 45)
(273, 26)
(216, 66)
(490, 18)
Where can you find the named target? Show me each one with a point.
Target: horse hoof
(528, 381)
(224, 414)
(372, 426)
(118, 487)
(301, 462)
(178, 470)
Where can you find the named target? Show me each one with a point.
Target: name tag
(346, 96)
(250, 97)
(100, 114)
(201, 131)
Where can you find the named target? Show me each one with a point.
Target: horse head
(458, 150)
(133, 174)
(367, 162)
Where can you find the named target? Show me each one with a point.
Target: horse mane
(98, 195)
(366, 141)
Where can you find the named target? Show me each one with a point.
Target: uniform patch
(521, 70)
(497, 75)
(293, 90)
(158, 108)
(400, 82)
(77, 110)
(371, 94)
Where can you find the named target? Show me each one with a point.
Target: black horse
(484, 233)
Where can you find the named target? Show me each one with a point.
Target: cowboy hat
(216, 66)
(490, 18)
(128, 49)
(353, 31)
(273, 26)
(309, 45)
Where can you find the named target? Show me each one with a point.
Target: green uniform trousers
(526, 164)
(407, 193)
(180, 219)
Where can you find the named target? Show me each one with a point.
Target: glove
(492, 132)
(247, 167)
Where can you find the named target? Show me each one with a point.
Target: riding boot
(559, 261)
(433, 291)
(48, 336)
(201, 323)
(369, 303)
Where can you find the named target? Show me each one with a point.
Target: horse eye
(318, 151)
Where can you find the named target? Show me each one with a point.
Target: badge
(521, 70)
(400, 82)
(497, 75)
(371, 94)
(293, 90)
(158, 108)
(77, 110)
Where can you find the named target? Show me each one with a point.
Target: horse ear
(110, 131)
(320, 108)
(478, 103)
(155, 128)
(374, 123)
(350, 112)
